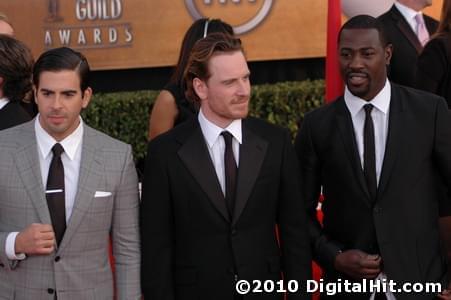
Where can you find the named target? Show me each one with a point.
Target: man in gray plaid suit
(65, 188)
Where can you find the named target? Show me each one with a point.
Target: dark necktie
(55, 193)
(230, 172)
(369, 153)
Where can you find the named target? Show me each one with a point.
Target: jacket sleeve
(125, 233)
(323, 248)
(157, 228)
(294, 239)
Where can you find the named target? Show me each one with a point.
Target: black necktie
(369, 153)
(55, 193)
(230, 172)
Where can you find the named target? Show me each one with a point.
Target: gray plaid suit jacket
(79, 268)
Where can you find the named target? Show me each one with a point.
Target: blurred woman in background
(434, 63)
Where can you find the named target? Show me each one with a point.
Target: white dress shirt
(71, 161)
(216, 145)
(409, 15)
(3, 102)
(379, 114)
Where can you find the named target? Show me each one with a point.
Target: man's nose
(244, 87)
(57, 102)
(356, 62)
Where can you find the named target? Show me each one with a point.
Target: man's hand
(358, 264)
(36, 239)
(445, 294)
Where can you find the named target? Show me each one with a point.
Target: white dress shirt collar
(408, 14)
(211, 131)
(3, 102)
(46, 141)
(381, 101)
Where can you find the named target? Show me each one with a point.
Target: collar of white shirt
(408, 14)
(3, 102)
(46, 141)
(211, 131)
(381, 101)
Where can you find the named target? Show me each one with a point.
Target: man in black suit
(215, 188)
(16, 63)
(380, 153)
(401, 25)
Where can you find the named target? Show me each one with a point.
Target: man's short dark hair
(16, 65)
(365, 22)
(60, 59)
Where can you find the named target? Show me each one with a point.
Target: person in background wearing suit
(215, 188)
(26, 102)
(65, 189)
(408, 30)
(16, 66)
(380, 153)
(434, 64)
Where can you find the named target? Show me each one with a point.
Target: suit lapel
(346, 129)
(252, 154)
(27, 161)
(394, 138)
(405, 28)
(194, 154)
(90, 173)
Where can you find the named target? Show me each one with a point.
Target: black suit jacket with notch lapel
(191, 248)
(406, 46)
(403, 222)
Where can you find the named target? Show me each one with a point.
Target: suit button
(377, 209)
(50, 291)
(233, 232)
(57, 259)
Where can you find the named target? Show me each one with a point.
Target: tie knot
(368, 108)
(57, 149)
(227, 137)
(419, 19)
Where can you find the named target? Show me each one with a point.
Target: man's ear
(201, 88)
(388, 53)
(35, 92)
(87, 94)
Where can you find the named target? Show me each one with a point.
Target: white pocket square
(101, 194)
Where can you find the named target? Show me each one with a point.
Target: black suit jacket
(12, 114)
(191, 248)
(403, 223)
(406, 46)
(434, 67)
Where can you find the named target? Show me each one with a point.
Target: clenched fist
(36, 239)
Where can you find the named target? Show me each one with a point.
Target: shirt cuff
(10, 247)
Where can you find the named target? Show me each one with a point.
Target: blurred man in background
(408, 30)
(16, 66)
